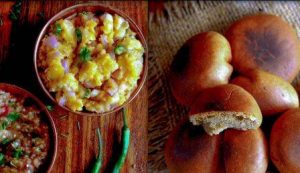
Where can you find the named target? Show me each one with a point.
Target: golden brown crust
(190, 149)
(245, 151)
(273, 94)
(267, 42)
(202, 62)
(285, 142)
(227, 97)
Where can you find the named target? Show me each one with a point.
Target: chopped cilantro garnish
(78, 34)
(11, 103)
(84, 13)
(17, 153)
(37, 149)
(119, 49)
(87, 93)
(13, 116)
(85, 54)
(58, 29)
(5, 141)
(2, 159)
(3, 125)
(14, 13)
(49, 107)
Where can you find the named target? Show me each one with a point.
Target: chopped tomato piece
(5, 112)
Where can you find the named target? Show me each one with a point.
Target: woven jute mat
(168, 31)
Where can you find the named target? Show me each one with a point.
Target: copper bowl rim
(50, 124)
(103, 8)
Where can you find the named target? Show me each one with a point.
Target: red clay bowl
(95, 8)
(46, 117)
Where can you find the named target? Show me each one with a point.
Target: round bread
(189, 149)
(245, 151)
(225, 106)
(273, 94)
(266, 42)
(202, 62)
(285, 142)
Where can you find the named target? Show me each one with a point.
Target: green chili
(97, 165)
(125, 143)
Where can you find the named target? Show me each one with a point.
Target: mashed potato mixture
(91, 62)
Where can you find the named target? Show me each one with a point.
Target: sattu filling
(215, 122)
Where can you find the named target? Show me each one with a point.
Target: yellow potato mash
(91, 62)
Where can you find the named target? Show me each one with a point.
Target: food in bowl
(24, 137)
(90, 62)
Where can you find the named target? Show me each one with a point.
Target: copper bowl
(95, 8)
(45, 117)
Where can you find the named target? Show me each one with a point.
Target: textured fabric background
(168, 31)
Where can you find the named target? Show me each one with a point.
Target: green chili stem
(97, 165)
(125, 143)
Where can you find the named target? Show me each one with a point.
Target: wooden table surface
(77, 147)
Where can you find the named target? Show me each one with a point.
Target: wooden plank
(76, 148)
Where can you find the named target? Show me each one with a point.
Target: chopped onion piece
(62, 101)
(71, 93)
(51, 41)
(64, 63)
(95, 92)
(112, 55)
(88, 85)
(104, 40)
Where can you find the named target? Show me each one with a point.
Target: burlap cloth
(168, 31)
